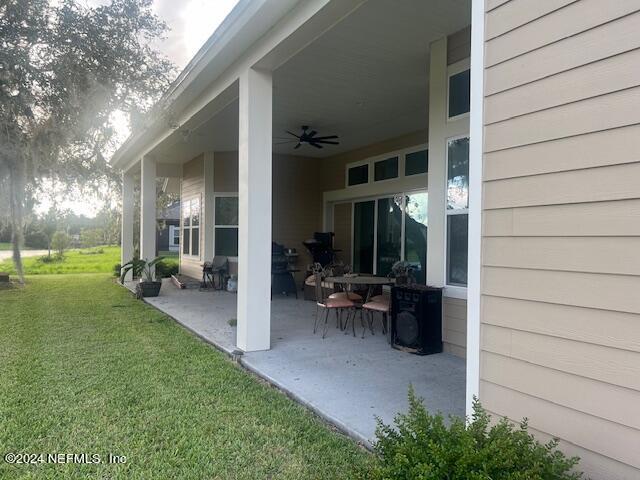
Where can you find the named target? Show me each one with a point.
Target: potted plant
(148, 285)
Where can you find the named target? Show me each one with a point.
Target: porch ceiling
(365, 80)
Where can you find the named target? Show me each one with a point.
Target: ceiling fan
(309, 138)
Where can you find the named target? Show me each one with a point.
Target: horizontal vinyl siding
(560, 282)
(459, 45)
(454, 326)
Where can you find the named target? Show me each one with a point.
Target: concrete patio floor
(347, 380)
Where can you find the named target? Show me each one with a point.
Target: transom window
(457, 211)
(459, 101)
(402, 163)
(385, 169)
(226, 225)
(358, 175)
(191, 227)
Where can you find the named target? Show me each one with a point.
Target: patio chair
(219, 267)
(338, 270)
(336, 304)
(377, 304)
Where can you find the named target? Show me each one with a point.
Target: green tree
(92, 237)
(64, 69)
(60, 242)
(49, 226)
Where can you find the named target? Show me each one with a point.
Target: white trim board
(475, 202)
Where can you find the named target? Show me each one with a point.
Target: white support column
(126, 240)
(208, 201)
(437, 162)
(476, 140)
(254, 188)
(148, 208)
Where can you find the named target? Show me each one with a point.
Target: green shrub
(60, 242)
(55, 258)
(116, 270)
(421, 446)
(165, 268)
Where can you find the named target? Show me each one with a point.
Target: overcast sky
(191, 23)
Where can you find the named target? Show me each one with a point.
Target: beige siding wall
(560, 311)
(192, 186)
(454, 326)
(459, 45)
(297, 200)
(297, 204)
(342, 225)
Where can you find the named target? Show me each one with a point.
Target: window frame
(183, 227)
(371, 161)
(454, 69)
(380, 160)
(217, 195)
(452, 290)
(172, 235)
(375, 199)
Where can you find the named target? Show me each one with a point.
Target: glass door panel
(363, 236)
(415, 237)
(389, 234)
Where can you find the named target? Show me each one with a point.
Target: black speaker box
(416, 319)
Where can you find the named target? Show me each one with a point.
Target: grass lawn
(86, 368)
(74, 261)
(87, 260)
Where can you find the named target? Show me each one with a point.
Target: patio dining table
(369, 281)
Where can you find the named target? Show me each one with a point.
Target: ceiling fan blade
(291, 133)
(311, 134)
(326, 141)
(325, 138)
(313, 144)
(284, 142)
(297, 146)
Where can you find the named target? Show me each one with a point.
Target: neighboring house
(168, 229)
(518, 120)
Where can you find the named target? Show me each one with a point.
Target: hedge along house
(528, 190)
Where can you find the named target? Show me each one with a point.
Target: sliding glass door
(389, 229)
(389, 234)
(415, 233)
(363, 236)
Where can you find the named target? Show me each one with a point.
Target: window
(389, 234)
(457, 210)
(358, 175)
(459, 93)
(226, 225)
(174, 238)
(385, 169)
(415, 236)
(416, 163)
(388, 229)
(191, 227)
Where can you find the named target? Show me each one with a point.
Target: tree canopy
(64, 69)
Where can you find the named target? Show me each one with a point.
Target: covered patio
(347, 380)
(388, 84)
